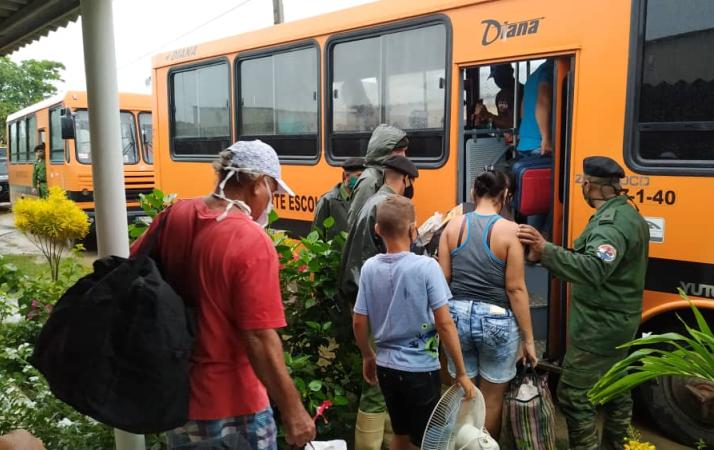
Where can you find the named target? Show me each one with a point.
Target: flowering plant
(51, 223)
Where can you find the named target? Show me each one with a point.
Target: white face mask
(265, 215)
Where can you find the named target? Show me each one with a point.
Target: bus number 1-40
(666, 197)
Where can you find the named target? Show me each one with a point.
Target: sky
(143, 28)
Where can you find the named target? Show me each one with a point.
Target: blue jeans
(489, 338)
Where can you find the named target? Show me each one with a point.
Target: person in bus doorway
(385, 141)
(39, 172)
(336, 202)
(483, 260)
(214, 250)
(363, 243)
(607, 269)
(534, 136)
(502, 75)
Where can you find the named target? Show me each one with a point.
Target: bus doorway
(516, 117)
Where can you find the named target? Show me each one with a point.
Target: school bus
(631, 80)
(62, 124)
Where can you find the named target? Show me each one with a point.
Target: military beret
(351, 164)
(602, 167)
(401, 164)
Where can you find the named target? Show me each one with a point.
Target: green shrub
(25, 399)
(323, 363)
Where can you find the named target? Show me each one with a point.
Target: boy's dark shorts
(411, 397)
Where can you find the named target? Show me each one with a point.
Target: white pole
(107, 159)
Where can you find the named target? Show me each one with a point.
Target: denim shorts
(249, 432)
(489, 338)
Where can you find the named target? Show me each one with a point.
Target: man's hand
(299, 428)
(533, 239)
(467, 385)
(20, 440)
(369, 369)
(546, 147)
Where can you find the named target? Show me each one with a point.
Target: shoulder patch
(608, 216)
(607, 253)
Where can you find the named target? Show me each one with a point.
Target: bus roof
(339, 21)
(78, 99)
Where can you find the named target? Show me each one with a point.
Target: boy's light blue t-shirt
(399, 292)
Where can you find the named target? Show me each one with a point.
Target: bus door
(500, 130)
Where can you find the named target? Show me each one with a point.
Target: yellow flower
(51, 223)
(55, 218)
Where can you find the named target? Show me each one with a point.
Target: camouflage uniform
(607, 270)
(381, 144)
(335, 204)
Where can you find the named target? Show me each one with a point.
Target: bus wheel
(681, 407)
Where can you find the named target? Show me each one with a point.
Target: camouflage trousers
(581, 370)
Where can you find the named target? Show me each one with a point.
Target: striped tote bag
(531, 412)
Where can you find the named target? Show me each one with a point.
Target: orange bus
(630, 80)
(62, 123)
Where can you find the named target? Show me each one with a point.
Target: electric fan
(457, 423)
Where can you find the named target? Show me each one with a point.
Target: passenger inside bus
(502, 75)
(518, 139)
(534, 132)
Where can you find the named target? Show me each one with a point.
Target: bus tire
(672, 403)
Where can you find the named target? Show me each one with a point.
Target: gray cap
(257, 156)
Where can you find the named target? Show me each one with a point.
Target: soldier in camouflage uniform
(336, 202)
(607, 270)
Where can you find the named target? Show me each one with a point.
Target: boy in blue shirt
(403, 299)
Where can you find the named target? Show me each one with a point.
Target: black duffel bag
(116, 346)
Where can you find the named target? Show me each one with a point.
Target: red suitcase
(534, 186)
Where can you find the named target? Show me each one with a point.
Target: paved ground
(14, 242)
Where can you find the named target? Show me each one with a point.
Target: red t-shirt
(230, 270)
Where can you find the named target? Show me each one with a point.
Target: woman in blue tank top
(484, 263)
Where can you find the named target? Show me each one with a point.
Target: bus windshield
(128, 138)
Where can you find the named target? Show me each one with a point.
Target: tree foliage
(25, 83)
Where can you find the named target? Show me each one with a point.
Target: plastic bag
(327, 445)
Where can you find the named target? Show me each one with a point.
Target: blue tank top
(476, 273)
(528, 132)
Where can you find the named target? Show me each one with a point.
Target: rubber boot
(388, 432)
(369, 430)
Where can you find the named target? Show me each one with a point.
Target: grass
(34, 265)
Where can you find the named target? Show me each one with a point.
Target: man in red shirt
(214, 251)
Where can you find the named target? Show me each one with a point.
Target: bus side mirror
(67, 122)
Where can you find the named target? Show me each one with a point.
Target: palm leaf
(685, 356)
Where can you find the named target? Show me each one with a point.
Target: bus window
(12, 142)
(128, 139)
(56, 142)
(355, 87)
(22, 141)
(31, 137)
(200, 124)
(278, 99)
(397, 78)
(147, 136)
(675, 122)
